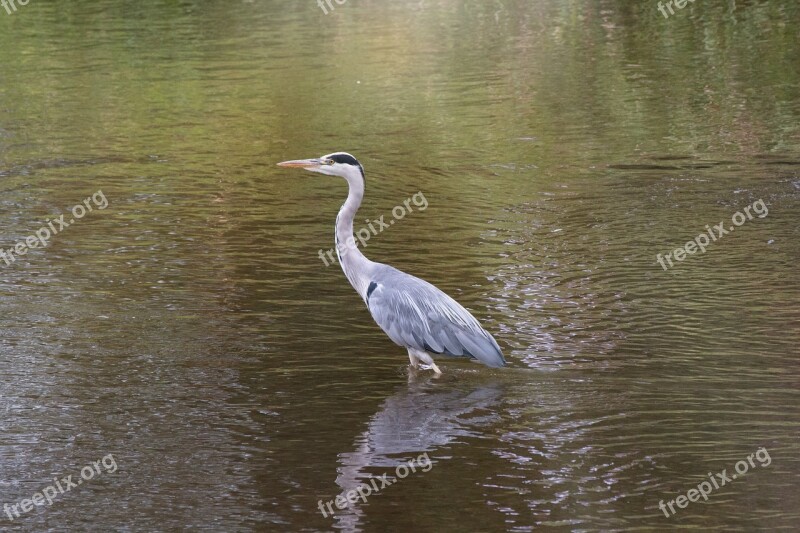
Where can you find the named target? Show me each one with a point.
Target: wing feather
(415, 314)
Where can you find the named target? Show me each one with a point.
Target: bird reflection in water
(418, 419)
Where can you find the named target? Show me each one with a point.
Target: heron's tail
(482, 347)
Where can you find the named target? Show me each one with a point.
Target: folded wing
(415, 314)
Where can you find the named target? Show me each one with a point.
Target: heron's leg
(432, 366)
(423, 360)
(413, 358)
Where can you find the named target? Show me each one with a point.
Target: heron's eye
(329, 161)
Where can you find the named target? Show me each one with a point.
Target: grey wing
(415, 314)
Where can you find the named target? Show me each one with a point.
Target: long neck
(355, 266)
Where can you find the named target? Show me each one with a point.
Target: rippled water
(191, 331)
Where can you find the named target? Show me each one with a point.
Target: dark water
(189, 333)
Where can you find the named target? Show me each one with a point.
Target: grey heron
(412, 312)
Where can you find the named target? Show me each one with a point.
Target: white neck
(355, 266)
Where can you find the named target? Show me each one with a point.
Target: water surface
(191, 330)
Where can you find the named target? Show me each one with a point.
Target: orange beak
(301, 163)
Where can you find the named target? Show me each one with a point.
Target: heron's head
(336, 164)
